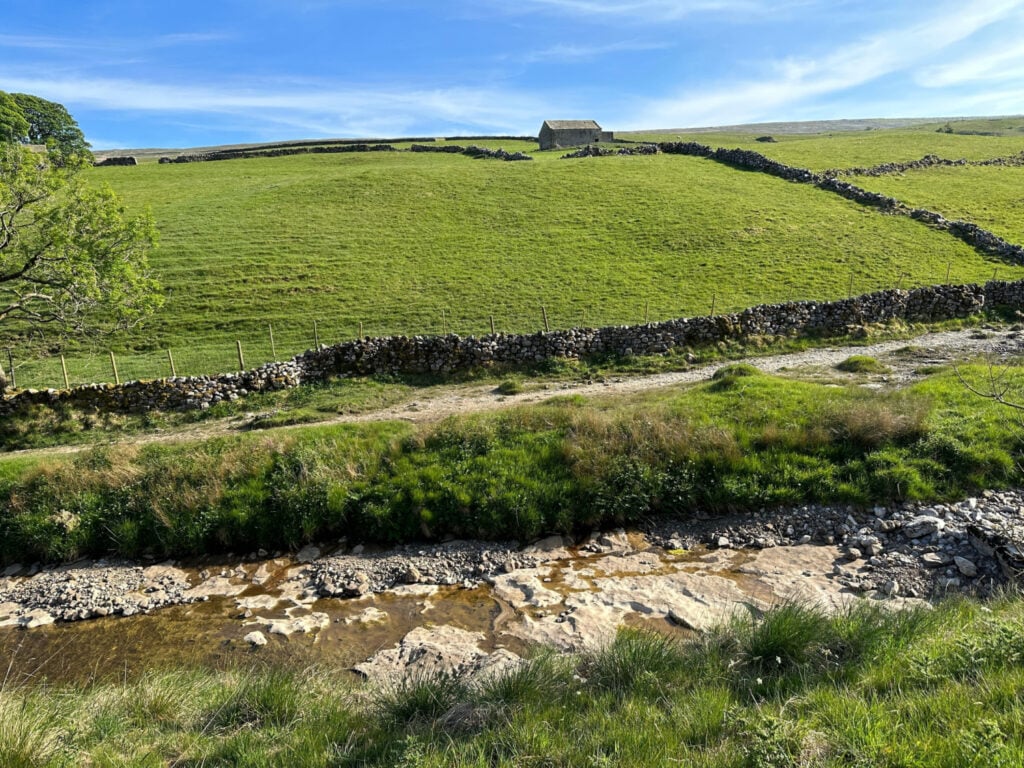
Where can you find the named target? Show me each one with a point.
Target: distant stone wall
(340, 146)
(471, 151)
(928, 161)
(982, 239)
(242, 154)
(446, 354)
(119, 160)
(596, 150)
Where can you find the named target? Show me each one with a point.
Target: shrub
(510, 387)
(728, 376)
(862, 364)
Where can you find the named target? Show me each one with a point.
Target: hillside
(387, 242)
(724, 541)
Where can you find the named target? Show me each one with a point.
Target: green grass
(41, 427)
(862, 364)
(743, 441)
(987, 196)
(869, 687)
(849, 149)
(391, 240)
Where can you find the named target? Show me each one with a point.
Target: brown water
(210, 634)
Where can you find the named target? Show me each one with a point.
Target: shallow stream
(570, 599)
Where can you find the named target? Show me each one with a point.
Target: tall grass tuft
(868, 424)
(783, 638)
(544, 678)
(636, 663)
(27, 736)
(261, 699)
(421, 698)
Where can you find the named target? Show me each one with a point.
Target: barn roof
(572, 125)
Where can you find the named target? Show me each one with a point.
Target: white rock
(443, 650)
(35, 618)
(307, 624)
(371, 615)
(256, 639)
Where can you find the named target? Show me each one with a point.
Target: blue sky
(189, 73)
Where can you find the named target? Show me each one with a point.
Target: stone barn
(558, 134)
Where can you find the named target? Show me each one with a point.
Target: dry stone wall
(928, 161)
(240, 154)
(445, 354)
(117, 160)
(471, 151)
(982, 239)
(595, 150)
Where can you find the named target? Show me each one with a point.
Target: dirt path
(440, 402)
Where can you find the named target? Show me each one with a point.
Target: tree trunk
(3, 379)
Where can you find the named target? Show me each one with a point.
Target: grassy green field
(387, 242)
(740, 442)
(870, 687)
(990, 197)
(848, 149)
(392, 240)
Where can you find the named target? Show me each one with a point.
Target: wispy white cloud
(657, 10)
(326, 110)
(190, 38)
(42, 42)
(45, 43)
(794, 81)
(573, 52)
(999, 65)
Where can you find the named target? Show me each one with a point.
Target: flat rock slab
(371, 615)
(525, 587)
(218, 586)
(428, 652)
(694, 593)
(307, 624)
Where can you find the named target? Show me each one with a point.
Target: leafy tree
(50, 123)
(13, 125)
(71, 259)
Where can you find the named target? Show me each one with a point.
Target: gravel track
(440, 403)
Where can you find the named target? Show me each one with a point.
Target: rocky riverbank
(911, 550)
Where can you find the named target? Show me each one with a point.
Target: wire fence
(255, 344)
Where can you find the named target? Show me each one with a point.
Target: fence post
(544, 311)
(10, 368)
(492, 324)
(273, 349)
(241, 360)
(949, 266)
(714, 296)
(316, 337)
(444, 323)
(64, 370)
(647, 312)
(113, 365)
(360, 329)
(994, 273)
(170, 359)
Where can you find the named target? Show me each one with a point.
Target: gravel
(914, 549)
